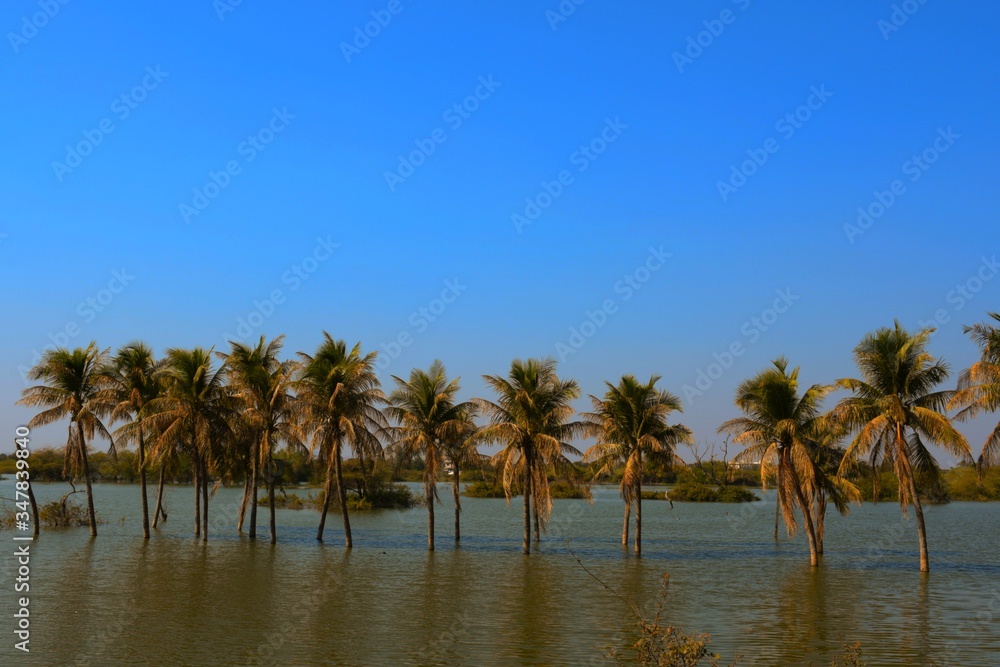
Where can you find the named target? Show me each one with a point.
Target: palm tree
(133, 383)
(777, 425)
(340, 396)
(530, 421)
(979, 386)
(460, 451)
(428, 416)
(894, 410)
(631, 421)
(72, 384)
(263, 386)
(194, 413)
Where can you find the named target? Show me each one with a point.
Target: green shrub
(695, 492)
(483, 489)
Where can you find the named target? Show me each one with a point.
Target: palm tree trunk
(243, 504)
(526, 544)
(429, 493)
(34, 509)
(457, 495)
(342, 493)
(911, 483)
(777, 513)
(254, 475)
(270, 494)
(204, 501)
(806, 513)
(638, 506)
(327, 492)
(628, 516)
(142, 484)
(159, 496)
(820, 518)
(196, 471)
(92, 515)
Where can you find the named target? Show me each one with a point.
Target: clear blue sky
(642, 138)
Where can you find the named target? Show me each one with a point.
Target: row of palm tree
(230, 418)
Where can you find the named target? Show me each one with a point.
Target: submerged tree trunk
(327, 492)
(159, 497)
(254, 476)
(457, 495)
(911, 483)
(526, 544)
(34, 509)
(142, 484)
(777, 513)
(204, 500)
(243, 505)
(429, 493)
(628, 517)
(806, 513)
(270, 495)
(638, 507)
(342, 493)
(196, 471)
(86, 478)
(821, 504)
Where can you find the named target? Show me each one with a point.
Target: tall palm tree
(263, 384)
(631, 421)
(895, 410)
(427, 416)
(71, 388)
(530, 419)
(195, 412)
(340, 397)
(979, 386)
(776, 426)
(133, 383)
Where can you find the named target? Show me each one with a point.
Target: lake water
(118, 600)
